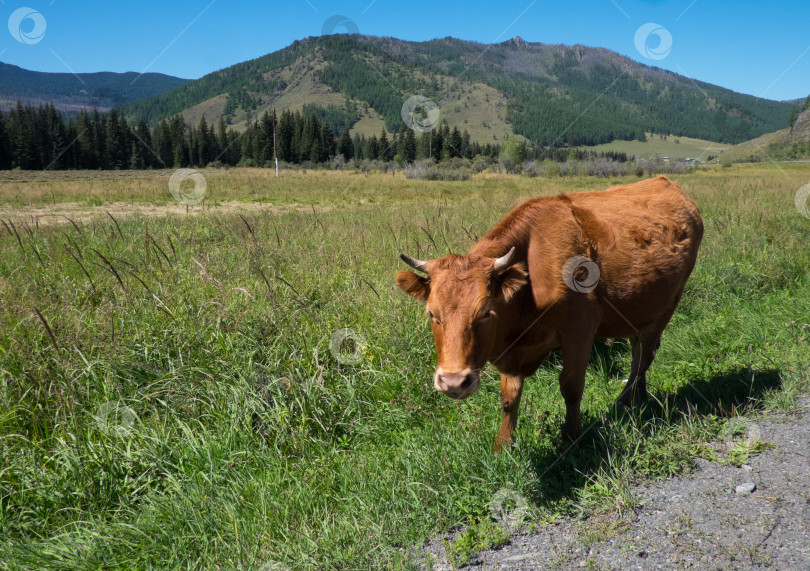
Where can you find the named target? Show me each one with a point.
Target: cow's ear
(414, 285)
(512, 279)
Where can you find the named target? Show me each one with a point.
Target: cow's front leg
(572, 384)
(511, 388)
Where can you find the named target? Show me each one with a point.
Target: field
(685, 147)
(239, 384)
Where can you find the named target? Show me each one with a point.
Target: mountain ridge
(70, 92)
(554, 94)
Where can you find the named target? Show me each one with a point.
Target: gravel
(745, 488)
(718, 517)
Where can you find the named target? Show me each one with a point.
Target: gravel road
(700, 521)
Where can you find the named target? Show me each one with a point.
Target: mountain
(70, 92)
(549, 94)
(785, 144)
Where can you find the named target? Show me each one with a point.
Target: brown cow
(554, 274)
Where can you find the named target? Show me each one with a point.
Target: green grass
(185, 410)
(673, 147)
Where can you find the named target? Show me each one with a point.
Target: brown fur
(644, 238)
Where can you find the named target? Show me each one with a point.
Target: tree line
(42, 138)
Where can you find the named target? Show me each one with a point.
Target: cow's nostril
(455, 384)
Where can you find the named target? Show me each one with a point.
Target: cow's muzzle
(458, 385)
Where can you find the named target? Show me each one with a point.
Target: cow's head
(465, 298)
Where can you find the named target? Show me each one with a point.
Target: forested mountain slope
(69, 92)
(550, 94)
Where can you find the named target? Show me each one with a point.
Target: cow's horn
(420, 265)
(503, 262)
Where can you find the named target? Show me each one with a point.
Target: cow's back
(643, 237)
(647, 237)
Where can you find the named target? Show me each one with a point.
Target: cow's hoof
(571, 434)
(629, 399)
(502, 443)
(623, 402)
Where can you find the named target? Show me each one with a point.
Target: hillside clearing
(673, 147)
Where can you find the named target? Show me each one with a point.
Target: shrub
(480, 163)
(532, 169)
(550, 167)
(604, 167)
(569, 168)
(426, 169)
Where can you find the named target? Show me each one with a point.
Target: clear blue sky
(750, 46)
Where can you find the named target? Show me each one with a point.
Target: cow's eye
(487, 315)
(434, 318)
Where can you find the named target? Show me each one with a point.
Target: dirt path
(64, 213)
(698, 521)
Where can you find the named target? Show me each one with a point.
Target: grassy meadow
(673, 147)
(178, 388)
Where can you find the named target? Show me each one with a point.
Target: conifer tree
(284, 136)
(454, 147)
(345, 146)
(5, 146)
(386, 149)
(372, 149)
(328, 143)
(408, 147)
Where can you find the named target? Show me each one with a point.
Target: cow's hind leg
(511, 389)
(644, 346)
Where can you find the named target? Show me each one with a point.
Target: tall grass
(170, 399)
